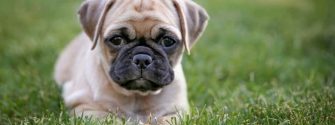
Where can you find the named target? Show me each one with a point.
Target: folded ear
(197, 19)
(89, 13)
(92, 15)
(193, 20)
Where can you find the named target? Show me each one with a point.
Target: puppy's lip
(141, 80)
(142, 84)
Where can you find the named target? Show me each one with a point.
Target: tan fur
(83, 74)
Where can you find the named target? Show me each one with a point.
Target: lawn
(259, 62)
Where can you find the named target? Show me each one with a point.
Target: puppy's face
(141, 41)
(142, 53)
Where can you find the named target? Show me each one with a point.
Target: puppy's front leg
(78, 97)
(89, 110)
(97, 114)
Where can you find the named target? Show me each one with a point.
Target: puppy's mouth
(142, 85)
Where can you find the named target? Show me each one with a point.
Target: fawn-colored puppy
(128, 60)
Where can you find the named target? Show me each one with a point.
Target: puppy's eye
(167, 42)
(116, 41)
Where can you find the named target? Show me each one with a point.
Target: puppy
(127, 62)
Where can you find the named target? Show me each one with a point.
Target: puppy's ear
(193, 21)
(92, 15)
(89, 13)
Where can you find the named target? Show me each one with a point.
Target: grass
(259, 62)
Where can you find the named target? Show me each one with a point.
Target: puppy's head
(141, 41)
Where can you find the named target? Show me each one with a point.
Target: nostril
(142, 60)
(136, 61)
(147, 62)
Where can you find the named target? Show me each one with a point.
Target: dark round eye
(116, 41)
(167, 42)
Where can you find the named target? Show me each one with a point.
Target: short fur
(84, 74)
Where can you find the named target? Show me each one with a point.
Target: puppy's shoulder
(70, 57)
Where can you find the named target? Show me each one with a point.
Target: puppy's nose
(142, 61)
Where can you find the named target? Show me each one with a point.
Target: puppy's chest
(138, 107)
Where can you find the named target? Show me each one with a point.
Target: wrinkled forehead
(143, 16)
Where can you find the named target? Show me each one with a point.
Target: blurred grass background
(259, 62)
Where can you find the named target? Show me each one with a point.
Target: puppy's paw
(168, 120)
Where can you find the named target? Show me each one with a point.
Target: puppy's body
(107, 80)
(88, 90)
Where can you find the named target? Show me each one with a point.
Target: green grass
(259, 62)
